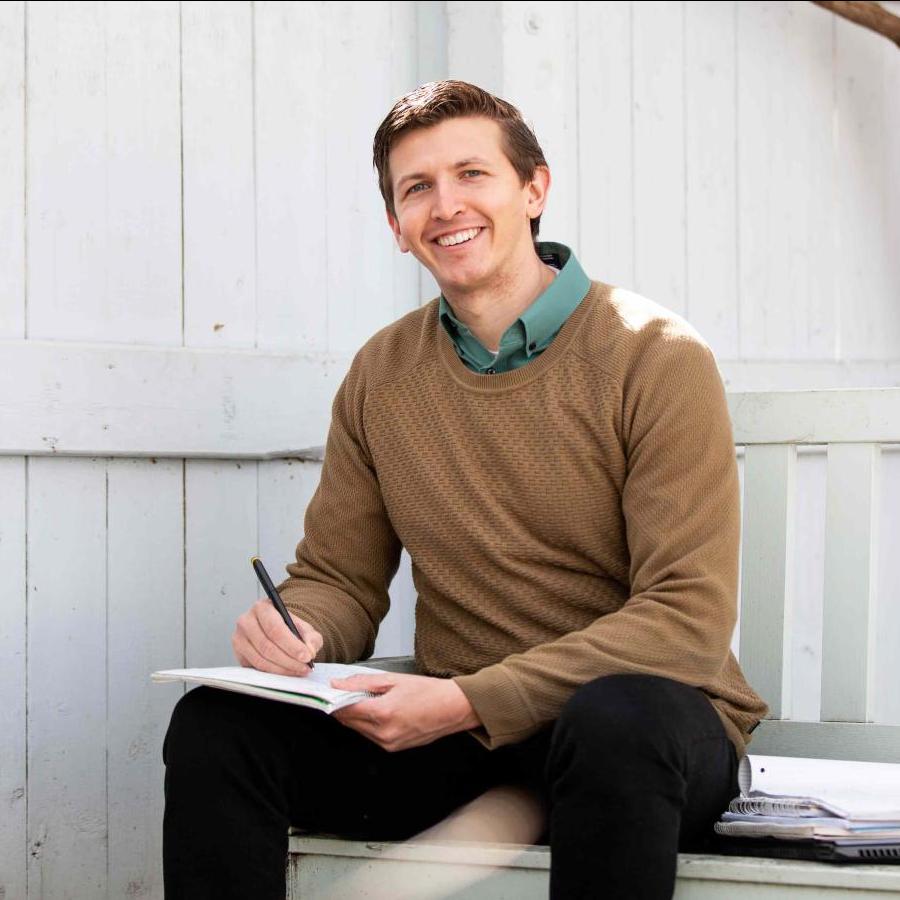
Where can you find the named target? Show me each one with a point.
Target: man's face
(460, 207)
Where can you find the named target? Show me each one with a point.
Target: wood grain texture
(67, 679)
(221, 534)
(711, 299)
(851, 582)
(103, 218)
(13, 623)
(291, 165)
(540, 57)
(145, 632)
(659, 153)
(12, 170)
(866, 109)
(606, 142)
(219, 203)
(121, 401)
(887, 639)
(767, 583)
(786, 170)
(809, 583)
(816, 417)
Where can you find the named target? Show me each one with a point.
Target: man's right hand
(262, 641)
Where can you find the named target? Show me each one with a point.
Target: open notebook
(313, 690)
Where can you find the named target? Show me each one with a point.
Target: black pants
(636, 768)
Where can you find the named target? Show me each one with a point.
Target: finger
(256, 645)
(376, 684)
(286, 648)
(256, 661)
(308, 633)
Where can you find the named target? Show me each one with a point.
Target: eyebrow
(461, 164)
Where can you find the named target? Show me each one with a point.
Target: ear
(395, 227)
(537, 190)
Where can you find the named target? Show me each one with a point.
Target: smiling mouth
(458, 237)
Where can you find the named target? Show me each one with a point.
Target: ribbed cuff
(302, 603)
(497, 701)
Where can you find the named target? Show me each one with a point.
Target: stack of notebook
(814, 809)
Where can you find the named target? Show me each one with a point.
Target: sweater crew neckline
(514, 378)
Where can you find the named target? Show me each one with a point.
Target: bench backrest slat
(767, 572)
(848, 640)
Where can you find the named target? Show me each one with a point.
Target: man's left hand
(411, 710)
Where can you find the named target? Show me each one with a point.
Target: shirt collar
(541, 321)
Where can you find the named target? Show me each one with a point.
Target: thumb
(376, 684)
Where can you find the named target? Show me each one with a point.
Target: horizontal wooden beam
(117, 400)
(854, 415)
(75, 399)
(863, 741)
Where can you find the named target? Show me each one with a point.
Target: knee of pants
(197, 725)
(616, 715)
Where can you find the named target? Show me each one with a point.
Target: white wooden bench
(769, 428)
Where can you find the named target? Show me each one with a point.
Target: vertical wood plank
(851, 548)
(67, 820)
(432, 64)
(786, 217)
(104, 259)
(285, 489)
(809, 572)
(891, 77)
(711, 208)
(659, 177)
(887, 640)
(13, 847)
(219, 205)
(475, 42)
(540, 69)
(220, 537)
(864, 98)
(736, 636)
(291, 203)
(360, 245)
(409, 277)
(145, 633)
(605, 142)
(12, 170)
(431, 41)
(767, 577)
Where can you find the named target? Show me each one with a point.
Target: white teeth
(448, 240)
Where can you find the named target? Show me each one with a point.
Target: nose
(446, 200)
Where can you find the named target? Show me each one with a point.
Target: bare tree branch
(870, 15)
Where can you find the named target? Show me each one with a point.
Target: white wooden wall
(192, 247)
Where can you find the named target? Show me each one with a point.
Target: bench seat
(322, 868)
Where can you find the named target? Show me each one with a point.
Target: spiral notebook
(818, 809)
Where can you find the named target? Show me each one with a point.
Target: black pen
(275, 597)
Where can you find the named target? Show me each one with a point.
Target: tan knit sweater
(572, 518)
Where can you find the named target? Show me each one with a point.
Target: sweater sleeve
(681, 507)
(349, 552)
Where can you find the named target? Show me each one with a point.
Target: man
(556, 455)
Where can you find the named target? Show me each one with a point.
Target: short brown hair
(439, 100)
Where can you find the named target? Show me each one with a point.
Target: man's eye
(413, 190)
(474, 172)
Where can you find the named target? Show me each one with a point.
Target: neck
(489, 310)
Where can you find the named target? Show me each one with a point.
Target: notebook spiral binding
(767, 806)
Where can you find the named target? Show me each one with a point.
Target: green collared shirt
(533, 331)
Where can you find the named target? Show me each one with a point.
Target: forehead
(442, 145)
